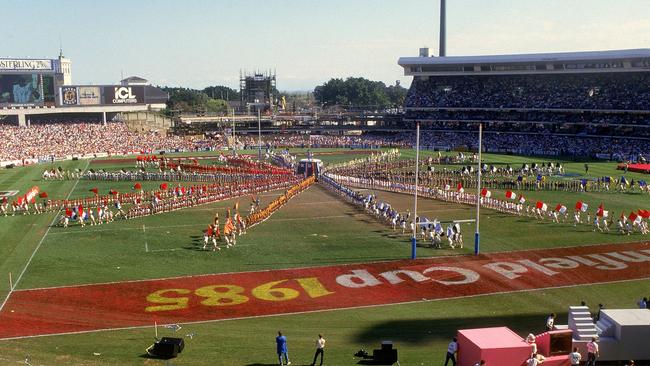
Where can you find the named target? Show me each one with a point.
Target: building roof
(528, 58)
(134, 79)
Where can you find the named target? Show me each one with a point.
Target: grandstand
(582, 96)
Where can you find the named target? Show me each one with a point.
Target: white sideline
(56, 215)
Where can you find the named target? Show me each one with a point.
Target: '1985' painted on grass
(228, 295)
(247, 294)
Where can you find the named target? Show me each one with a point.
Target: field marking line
(56, 215)
(469, 255)
(331, 310)
(146, 245)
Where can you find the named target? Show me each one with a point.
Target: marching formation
(430, 231)
(397, 176)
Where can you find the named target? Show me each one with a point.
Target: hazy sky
(199, 43)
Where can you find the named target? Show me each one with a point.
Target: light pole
(477, 235)
(234, 138)
(414, 240)
(259, 135)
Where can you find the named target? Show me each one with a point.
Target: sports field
(282, 276)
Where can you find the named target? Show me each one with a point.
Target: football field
(91, 296)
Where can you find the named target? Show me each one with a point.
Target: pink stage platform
(497, 346)
(638, 168)
(501, 346)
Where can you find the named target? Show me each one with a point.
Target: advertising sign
(22, 64)
(89, 95)
(26, 89)
(123, 95)
(69, 95)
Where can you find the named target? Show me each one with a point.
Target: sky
(194, 43)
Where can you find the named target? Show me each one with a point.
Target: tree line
(213, 99)
(359, 92)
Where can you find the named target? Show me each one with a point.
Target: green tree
(356, 92)
(396, 93)
(186, 100)
(221, 92)
(218, 106)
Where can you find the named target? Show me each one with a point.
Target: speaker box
(75, 158)
(167, 347)
(10, 166)
(384, 356)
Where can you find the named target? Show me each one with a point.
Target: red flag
(581, 206)
(486, 193)
(94, 190)
(511, 195)
(633, 217)
(541, 205)
(43, 195)
(459, 188)
(163, 186)
(644, 213)
(137, 186)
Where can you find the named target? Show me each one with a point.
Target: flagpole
(477, 235)
(415, 195)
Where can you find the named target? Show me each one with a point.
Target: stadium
(498, 216)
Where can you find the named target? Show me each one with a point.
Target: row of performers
(138, 196)
(161, 204)
(236, 225)
(601, 220)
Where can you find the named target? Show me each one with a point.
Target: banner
(89, 95)
(18, 64)
(123, 95)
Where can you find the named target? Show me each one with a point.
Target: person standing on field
(452, 349)
(281, 347)
(320, 350)
(592, 352)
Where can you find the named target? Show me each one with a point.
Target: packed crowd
(60, 140)
(562, 119)
(624, 91)
(527, 144)
(456, 135)
(49, 142)
(316, 141)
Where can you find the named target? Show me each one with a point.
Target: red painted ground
(638, 168)
(105, 306)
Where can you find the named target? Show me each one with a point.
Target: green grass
(315, 228)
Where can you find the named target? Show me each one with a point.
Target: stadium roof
(134, 79)
(529, 57)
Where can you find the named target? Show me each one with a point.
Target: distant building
(257, 91)
(134, 80)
